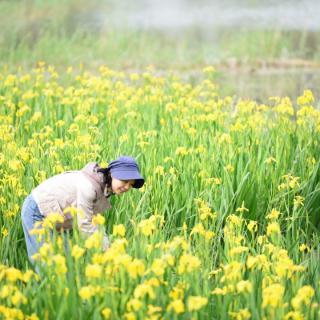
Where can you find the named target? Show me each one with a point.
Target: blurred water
(207, 20)
(211, 17)
(210, 14)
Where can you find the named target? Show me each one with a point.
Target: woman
(87, 190)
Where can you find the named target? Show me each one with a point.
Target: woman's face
(121, 186)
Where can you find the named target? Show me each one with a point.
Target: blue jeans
(30, 215)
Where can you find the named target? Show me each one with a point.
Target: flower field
(226, 226)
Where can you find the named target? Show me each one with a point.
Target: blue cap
(126, 168)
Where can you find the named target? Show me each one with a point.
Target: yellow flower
(136, 268)
(272, 296)
(170, 259)
(181, 151)
(225, 138)
(270, 160)
(98, 220)
(209, 235)
(306, 99)
(201, 149)
(134, 305)
(69, 70)
(282, 186)
(147, 227)
(6, 291)
(284, 107)
(28, 275)
(188, 263)
(158, 267)
(242, 208)
(86, 293)
(144, 289)
(77, 252)
(214, 272)
(259, 261)
(169, 107)
(252, 226)
(153, 309)
(93, 271)
(192, 131)
(242, 314)
(294, 315)
(45, 249)
(94, 241)
(229, 168)
(274, 214)
(159, 170)
(298, 201)
(176, 293)
(13, 274)
(203, 173)
(303, 296)
(123, 138)
(195, 303)
(220, 291)
(130, 316)
(134, 77)
(154, 282)
(304, 248)
(11, 313)
(232, 271)
(60, 123)
(273, 228)
(119, 230)
(36, 116)
(52, 219)
(208, 69)
(291, 181)
(235, 220)
(177, 306)
(238, 250)
(60, 262)
(244, 286)
(198, 229)
(18, 298)
(106, 313)
(205, 212)
(15, 165)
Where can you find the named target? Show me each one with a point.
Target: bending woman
(87, 190)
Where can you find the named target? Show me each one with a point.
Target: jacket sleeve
(86, 197)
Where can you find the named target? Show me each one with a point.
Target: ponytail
(106, 175)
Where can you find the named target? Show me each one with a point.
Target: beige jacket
(83, 190)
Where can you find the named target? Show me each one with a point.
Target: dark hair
(106, 175)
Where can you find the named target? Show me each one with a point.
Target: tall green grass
(200, 152)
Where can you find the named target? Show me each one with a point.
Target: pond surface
(206, 21)
(210, 17)
(207, 14)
